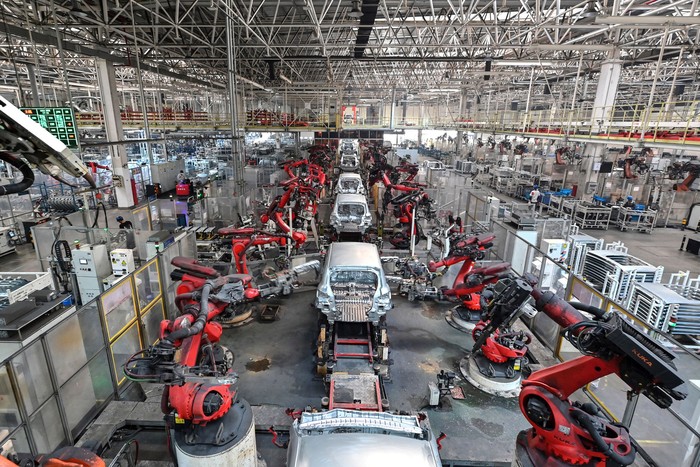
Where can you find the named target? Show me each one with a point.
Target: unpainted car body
(353, 286)
(350, 183)
(351, 214)
(349, 162)
(350, 438)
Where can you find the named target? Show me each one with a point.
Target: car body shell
(351, 260)
(351, 214)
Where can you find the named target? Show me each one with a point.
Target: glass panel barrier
(32, 375)
(663, 436)
(86, 392)
(124, 347)
(546, 330)
(140, 218)
(75, 341)
(118, 307)
(151, 319)
(46, 426)
(586, 294)
(16, 443)
(9, 412)
(147, 283)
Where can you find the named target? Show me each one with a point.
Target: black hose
(66, 219)
(595, 311)
(585, 420)
(104, 211)
(63, 255)
(23, 167)
(180, 298)
(199, 323)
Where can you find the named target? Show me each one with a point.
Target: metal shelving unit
(632, 219)
(663, 308)
(588, 216)
(613, 272)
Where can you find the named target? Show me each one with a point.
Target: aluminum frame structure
(463, 55)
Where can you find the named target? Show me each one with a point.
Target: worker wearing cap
(630, 203)
(123, 224)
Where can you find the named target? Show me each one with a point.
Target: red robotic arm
(565, 433)
(559, 155)
(196, 370)
(276, 213)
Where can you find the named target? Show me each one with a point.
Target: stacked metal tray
(688, 313)
(663, 308)
(613, 272)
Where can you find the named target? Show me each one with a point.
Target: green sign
(59, 121)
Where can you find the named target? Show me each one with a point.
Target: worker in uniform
(181, 177)
(535, 196)
(124, 224)
(630, 203)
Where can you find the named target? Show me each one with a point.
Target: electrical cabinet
(555, 248)
(122, 260)
(91, 264)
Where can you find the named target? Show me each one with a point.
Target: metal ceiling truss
(436, 51)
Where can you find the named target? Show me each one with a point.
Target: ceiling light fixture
(285, 79)
(356, 11)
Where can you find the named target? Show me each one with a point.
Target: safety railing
(673, 122)
(184, 119)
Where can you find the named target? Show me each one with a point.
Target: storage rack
(579, 244)
(632, 219)
(660, 306)
(613, 272)
(588, 216)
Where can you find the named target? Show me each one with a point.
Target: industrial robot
(407, 208)
(276, 213)
(275, 283)
(207, 422)
(690, 169)
(24, 143)
(635, 164)
(566, 433)
(469, 279)
(498, 365)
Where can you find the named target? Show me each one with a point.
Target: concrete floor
(479, 428)
(24, 260)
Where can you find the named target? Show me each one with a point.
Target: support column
(393, 108)
(462, 118)
(31, 74)
(113, 128)
(237, 147)
(608, 82)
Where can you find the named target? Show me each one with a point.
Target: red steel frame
(353, 405)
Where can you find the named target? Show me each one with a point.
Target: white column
(608, 82)
(115, 132)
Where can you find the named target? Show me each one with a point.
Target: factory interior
(191, 191)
